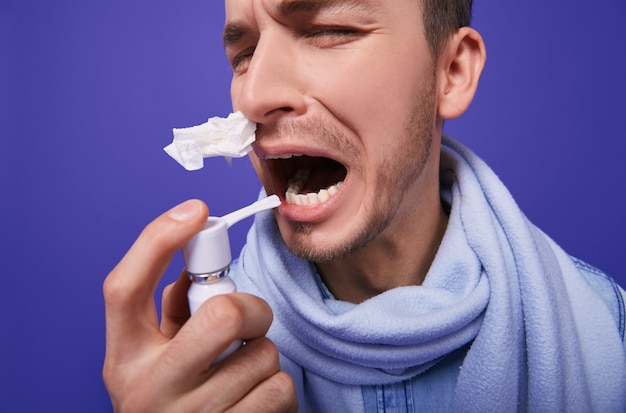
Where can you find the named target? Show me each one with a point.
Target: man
(400, 273)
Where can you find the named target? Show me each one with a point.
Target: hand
(167, 368)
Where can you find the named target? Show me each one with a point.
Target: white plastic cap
(209, 250)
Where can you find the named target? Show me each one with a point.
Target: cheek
(349, 96)
(260, 171)
(234, 92)
(368, 92)
(256, 163)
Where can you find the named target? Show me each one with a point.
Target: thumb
(129, 288)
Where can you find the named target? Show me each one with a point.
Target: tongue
(322, 178)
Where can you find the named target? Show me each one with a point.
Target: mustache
(316, 129)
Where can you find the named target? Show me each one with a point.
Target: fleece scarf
(541, 339)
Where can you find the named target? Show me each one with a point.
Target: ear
(459, 67)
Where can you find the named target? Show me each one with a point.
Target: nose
(270, 88)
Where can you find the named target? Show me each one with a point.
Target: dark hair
(442, 18)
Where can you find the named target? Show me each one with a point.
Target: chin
(326, 242)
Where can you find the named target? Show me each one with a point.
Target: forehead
(285, 8)
(241, 15)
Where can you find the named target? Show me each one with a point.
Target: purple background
(89, 92)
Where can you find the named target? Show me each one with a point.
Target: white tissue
(231, 137)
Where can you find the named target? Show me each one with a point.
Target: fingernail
(185, 211)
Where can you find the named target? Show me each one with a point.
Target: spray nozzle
(209, 250)
(264, 204)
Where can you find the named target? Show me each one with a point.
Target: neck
(400, 256)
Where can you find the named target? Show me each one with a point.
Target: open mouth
(306, 180)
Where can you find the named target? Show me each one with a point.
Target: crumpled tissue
(231, 137)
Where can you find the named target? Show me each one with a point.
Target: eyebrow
(235, 32)
(289, 7)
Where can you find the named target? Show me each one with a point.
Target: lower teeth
(293, 197)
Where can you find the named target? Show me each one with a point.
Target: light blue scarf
(543, 341)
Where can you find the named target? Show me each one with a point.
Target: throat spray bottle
(207, 259)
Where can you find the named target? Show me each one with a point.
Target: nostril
(284, 109)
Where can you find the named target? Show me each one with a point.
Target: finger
(129, 288)
(214, 326)
(230, 381)
(175, 306)
(276, 394)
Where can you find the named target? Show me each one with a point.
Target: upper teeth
(282, 155)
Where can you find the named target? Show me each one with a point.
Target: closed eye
(239, 62)
(331, 36)
(322, 37)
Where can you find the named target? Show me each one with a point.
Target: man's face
(343, 95)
